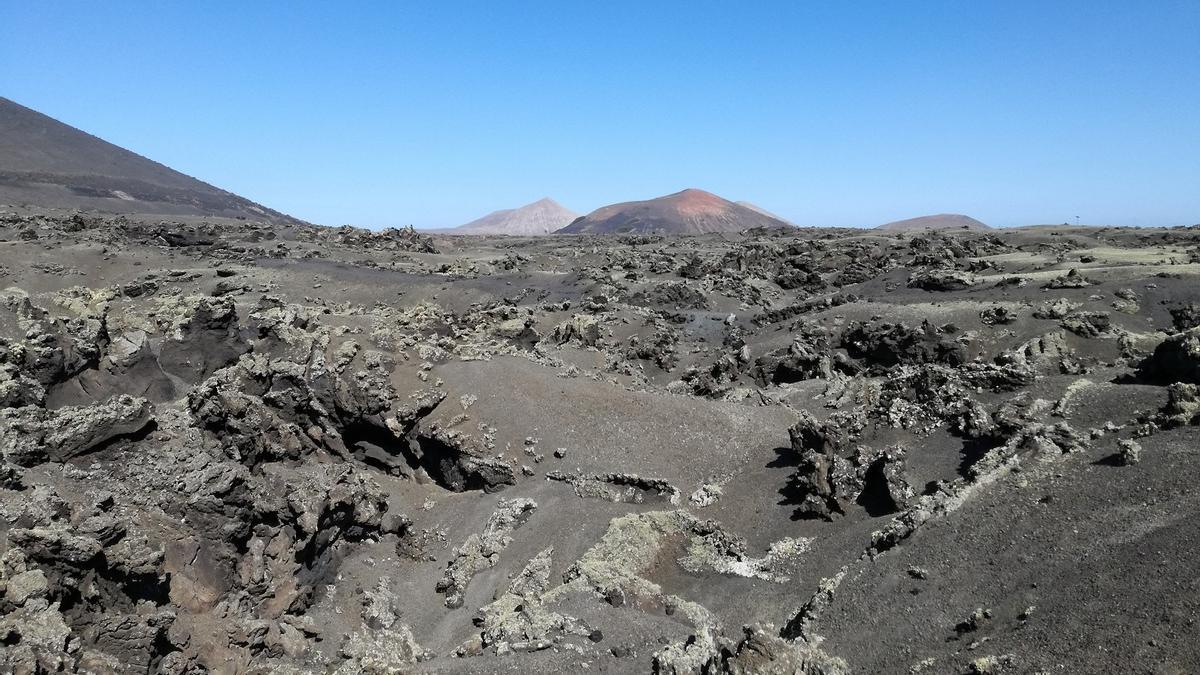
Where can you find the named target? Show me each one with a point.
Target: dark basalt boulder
(1176, 359)
(827, 480)
(1186, 317)
(882, 345)
(941, 280)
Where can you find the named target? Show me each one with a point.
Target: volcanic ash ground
(233, 447)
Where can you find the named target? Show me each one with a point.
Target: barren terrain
(233, 447)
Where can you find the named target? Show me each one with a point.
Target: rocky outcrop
(671, 295)
(580, 329)
(482, 550)
(827, 483)
(1024, 440)
(880, 346)
(42, 350)
(1183, 405)
(809, 356)
(32, 435)
(1175, 359)
(520, 619)
(757, 652)
(618, 487)
(941, 279)
(458, 461)
(1186, 317)
(1072, 279)
(384, 644)
(312, 400)
(203, 334)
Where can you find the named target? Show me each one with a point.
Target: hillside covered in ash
(239, 447)
(46, 163)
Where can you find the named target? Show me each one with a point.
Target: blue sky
(827, 113)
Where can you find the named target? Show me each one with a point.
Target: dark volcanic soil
(237, 447)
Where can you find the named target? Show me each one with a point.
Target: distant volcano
(941, 221)
(688, 212)
(541, 217)
(44, 162)
(756, 207)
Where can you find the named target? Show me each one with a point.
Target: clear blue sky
(828, 113)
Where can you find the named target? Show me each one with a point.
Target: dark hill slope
(44, 162)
